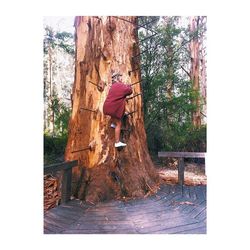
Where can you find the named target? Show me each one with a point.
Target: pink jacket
(114, 104)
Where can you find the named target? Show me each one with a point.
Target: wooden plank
(202, 215)
(164, 215)
(199, 193)
(60, 219)
(59, 166)
(179, 221)
(182, 154)
(198, 230)
(182, 229)
(52, 226)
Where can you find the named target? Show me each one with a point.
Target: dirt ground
(195, 173)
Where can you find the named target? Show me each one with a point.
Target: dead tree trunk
(104, 45)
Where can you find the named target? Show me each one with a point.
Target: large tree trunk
(104, 45)
(194, 49)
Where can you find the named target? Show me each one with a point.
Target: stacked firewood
(51, 194)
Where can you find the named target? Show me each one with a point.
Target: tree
(168, 94)
(58, 62)
(104, 45)
(195, 70)
(203, 68)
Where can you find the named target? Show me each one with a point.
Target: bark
(170, 54)
(104, 45)
(203, 74)
(51, 93)
(194, 49)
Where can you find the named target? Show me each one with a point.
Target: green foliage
(168, 119)
(54, 148)
(184, 137)
(54, 39)
(61, 115)
(57, 109)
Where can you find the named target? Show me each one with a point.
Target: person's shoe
(120, 144)
(112, 125)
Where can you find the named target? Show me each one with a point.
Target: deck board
(169, 211)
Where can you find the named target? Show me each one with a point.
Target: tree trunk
(194, 49)
(51, 91)
(105, 45)
(170, 54)
(203, 73)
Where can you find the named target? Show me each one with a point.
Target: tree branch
(186, 71)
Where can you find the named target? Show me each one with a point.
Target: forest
(172, 62)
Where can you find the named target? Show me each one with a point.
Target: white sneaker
(112, 125)
(120, 144)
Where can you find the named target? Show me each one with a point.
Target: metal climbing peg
(133, 96)
(88, 110)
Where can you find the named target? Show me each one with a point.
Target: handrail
(181, 166)
(59, 166)
(66, 168)
(182, 154)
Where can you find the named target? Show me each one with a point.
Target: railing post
(66, 185)
(181, 169)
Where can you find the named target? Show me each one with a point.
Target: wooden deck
(167, 212)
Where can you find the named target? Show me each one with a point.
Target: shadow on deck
(167, 212)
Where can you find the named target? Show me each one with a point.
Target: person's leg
(117, 130)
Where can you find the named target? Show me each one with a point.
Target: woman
(114, 105)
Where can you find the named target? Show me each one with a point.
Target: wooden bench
(66, 167)
(181, 156)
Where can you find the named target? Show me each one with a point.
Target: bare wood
(182, 154)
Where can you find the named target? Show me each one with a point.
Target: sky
(60, 23)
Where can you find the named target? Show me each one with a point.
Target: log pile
(168, 176)
(51, 194)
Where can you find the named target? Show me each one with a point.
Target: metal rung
(80, 149)
(125, 20)
(135, 83)
(140, 26)
(91, 147)
(133, 70)
(147, 38)
(149, 22)
(99, 87)
(130, 113)
(139, 54)
(93, 83)
(88, 109)
(133, 96)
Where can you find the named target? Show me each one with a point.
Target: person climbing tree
(105, 44)
(114, 105)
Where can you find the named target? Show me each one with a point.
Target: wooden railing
(181, 156)
(66, 168)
